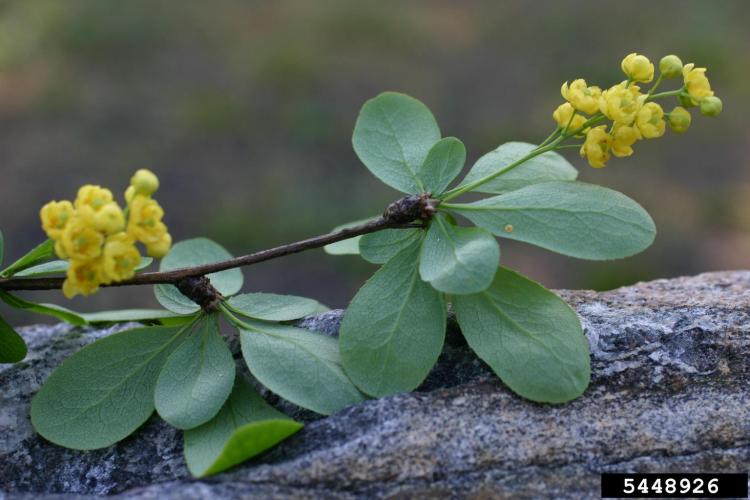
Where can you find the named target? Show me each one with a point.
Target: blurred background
(245, 110)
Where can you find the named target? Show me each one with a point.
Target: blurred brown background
(245, 110)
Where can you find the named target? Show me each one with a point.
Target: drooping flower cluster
(98, 237)
(632, 114)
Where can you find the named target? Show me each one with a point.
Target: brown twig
(387, 221)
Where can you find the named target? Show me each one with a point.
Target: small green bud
(711, 106)
(670, 66)
(679, 119)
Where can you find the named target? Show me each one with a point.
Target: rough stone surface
(669, 392)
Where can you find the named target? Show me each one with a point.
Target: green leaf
(56, 311)
(393, 134)
(346, 247)
(572, 218)
(529, 336)
(273, 307)
(105, 391)
(393, 331)
(443, 163)
(125, 315)
(41, 252)
(381, 246)
(458, 260)
(245, 427)
(61, 267)
(301, 366)
(12, 347)
(546, 167)
(196, 252)
(196, 378)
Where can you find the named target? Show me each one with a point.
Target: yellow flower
(55, 216)
(638, 68)
(597, 146)
(650, 120)
(696, 82)
(582, 97)
(80, 241)
(679, 119)
(160, 248)
(109, 219)
(119, 259)
(144, 182)
(624, 136)
(145, 223)
(563, 114)
(620, 103)
(82, 278)
(93, 196)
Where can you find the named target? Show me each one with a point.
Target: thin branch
(177, 275)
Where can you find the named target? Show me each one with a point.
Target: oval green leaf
(12, 346)
(529, 336)
(196, 378)
(41, 252)
(273, 307)
(196, 252)
(245, 427)
(61, 267)
(301, 366)
(105, 391)
(392, 136)
(126, 315)
(458, 260)
(443, 163)
(53, 310)
(572, 218)
(393, 331)
(546, 167)
(382, 246)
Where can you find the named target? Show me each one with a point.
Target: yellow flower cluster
(98, 237)
(632, 114)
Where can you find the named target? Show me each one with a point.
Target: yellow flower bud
(650, 120)
(582, 97)
(711, 106)
(160, 248)
(60, 250)
(621, 103)
(82, 278)
(119, 259)
(145, 182)
(596, 147)
(679, 119)
(129, 194)
(670, 66)
(624, 136)
(93, 196)
(109, 219)
(697, 85)
(80, 241)
(638, 68)
(145, 223)
(55, 216)
(563, 114)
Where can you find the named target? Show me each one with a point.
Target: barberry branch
(399, 215)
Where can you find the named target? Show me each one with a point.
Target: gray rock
(669, 392)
